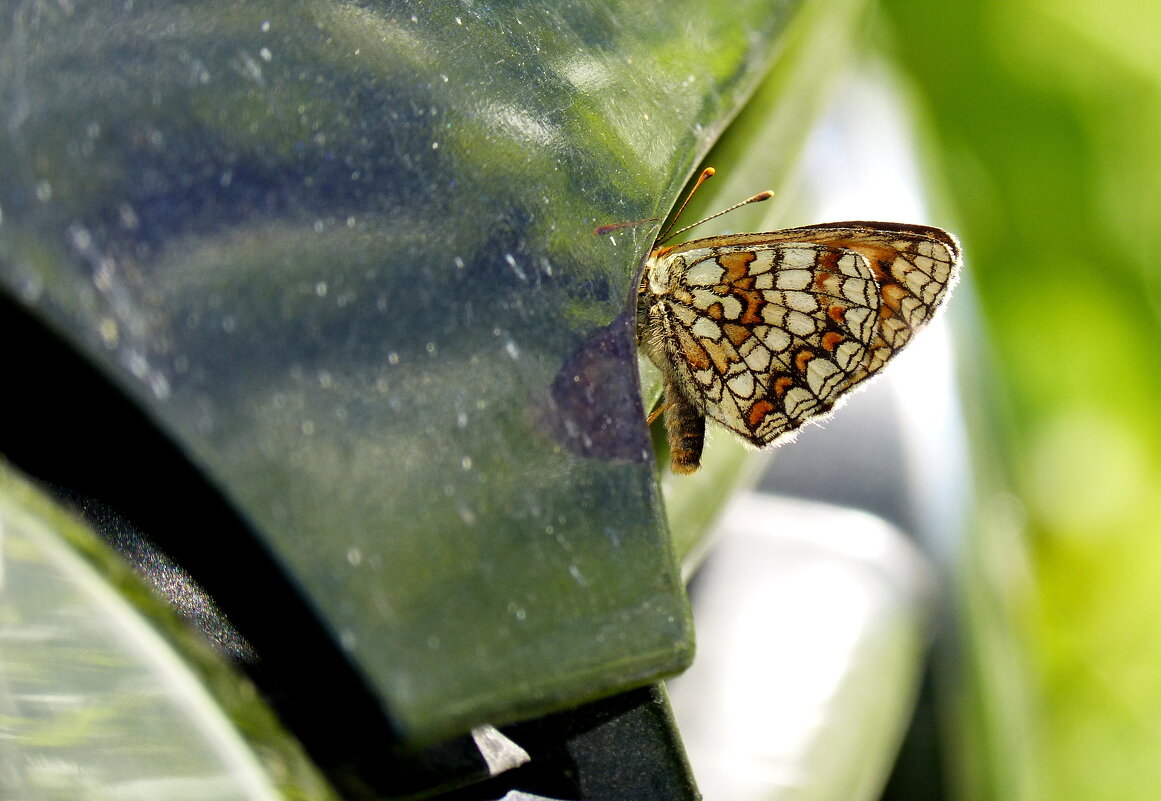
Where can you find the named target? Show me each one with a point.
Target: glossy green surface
(343, 254)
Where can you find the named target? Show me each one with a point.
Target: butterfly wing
(763, 332)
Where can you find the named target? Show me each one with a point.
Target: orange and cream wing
(763, 332)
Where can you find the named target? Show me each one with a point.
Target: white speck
(462, 419)
(459, 21)
(265, 54)
(575, 572)
(325, 379)
(430, 348)
(348, 640)
(512, 349)
(435, 145)
(466, 463)
(103, 276)
(320, 289)
(508, 257)
(350, 222)
(392, 358)
(265, 25)
(31, 289)
(109, 331)
(159, 384)
(136, 364)
(468, 516)
(318, 226)
(81, 238)
(443, 77)
(128, 217)
(613, 241)
(308, 427)
(458, 262)
(354, 557)
(251, 68)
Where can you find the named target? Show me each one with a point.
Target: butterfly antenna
(758, 198)
(604, 230)
(665, 235)
(706, 174)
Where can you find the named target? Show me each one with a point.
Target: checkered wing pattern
(763, 332)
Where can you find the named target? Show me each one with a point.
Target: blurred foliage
(1047, 118)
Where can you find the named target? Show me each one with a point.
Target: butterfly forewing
(763, 332)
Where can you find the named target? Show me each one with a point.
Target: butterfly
(765, 332)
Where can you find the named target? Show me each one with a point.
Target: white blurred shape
(812, 622)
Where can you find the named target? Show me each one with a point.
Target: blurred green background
(1047, 114)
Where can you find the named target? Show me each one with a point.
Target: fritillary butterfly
(765, 332)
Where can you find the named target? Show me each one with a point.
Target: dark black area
(624, 748)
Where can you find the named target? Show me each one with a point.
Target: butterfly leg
(685, 426)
